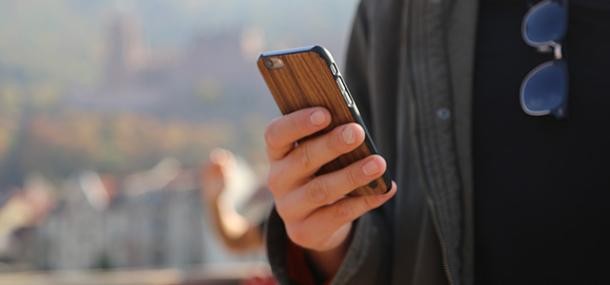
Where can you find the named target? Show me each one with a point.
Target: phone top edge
(324, 53)
(288, 51)
(320, 50)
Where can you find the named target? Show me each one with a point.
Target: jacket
(410, 70)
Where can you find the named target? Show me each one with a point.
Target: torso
(542, 187)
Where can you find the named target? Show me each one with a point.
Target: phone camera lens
(274, 63)
(269, 63)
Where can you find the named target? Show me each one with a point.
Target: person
(236, 231)
(500, 166)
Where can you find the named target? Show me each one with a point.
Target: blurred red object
(261, 280)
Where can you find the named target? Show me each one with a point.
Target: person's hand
(215, 173)
(315, 209)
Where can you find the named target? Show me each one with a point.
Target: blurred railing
(213, 274)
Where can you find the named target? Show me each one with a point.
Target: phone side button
(334, 69)
(348, 99)
(344, 93)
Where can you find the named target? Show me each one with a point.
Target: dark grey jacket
(409, 66)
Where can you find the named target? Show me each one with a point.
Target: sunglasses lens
(545, 89)
(546, 22)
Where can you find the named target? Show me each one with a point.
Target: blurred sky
(64, 39)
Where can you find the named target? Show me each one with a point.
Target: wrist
(326, 263)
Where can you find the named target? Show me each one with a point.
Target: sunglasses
(544, 90)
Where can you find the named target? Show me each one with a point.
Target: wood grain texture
(306, 81)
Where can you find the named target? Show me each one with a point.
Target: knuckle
(343, 212)
(283, 212)
(297, 234)
(273, 180)
(335, 142)
(352, 177)
(270, 135)
(296, 123)
(286, 209)
(316, 192)
(305, 156)
(368, 203)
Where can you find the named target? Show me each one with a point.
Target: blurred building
(197, 82)
(89, 230)
(153, 220)
(125, 50)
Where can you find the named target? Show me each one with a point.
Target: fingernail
(317, 118)
(370, 168)
(348, 136)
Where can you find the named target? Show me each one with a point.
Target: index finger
(283, 132)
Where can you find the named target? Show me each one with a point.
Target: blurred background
(109, 114)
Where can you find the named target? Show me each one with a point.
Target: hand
(316, 211)
(216, 172)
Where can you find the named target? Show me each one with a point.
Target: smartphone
(309, 77)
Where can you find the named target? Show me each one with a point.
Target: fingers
(212, 179)
(306, 159)
(215, 172)
(314, 153)
(328, 221)
(283, 132)
(316, 211)
(329, 188)
(221, 156)
(221, 162)
(332, 217)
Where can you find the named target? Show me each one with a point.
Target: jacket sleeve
(368, 259)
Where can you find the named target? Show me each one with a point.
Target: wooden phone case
(308, 77)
